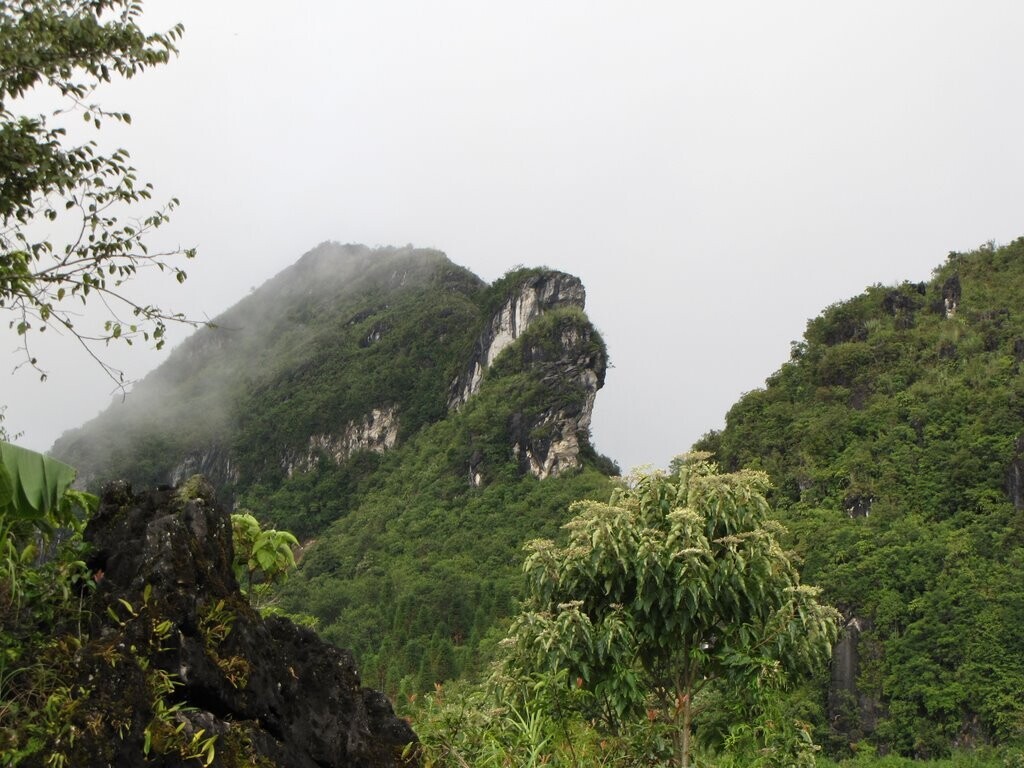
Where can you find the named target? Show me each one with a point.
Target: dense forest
(893, 437)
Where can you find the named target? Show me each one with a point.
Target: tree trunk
(683, 713)
(685, 757)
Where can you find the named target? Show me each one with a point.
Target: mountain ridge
(382, 395)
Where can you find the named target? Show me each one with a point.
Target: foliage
(893, 439)
(37, 571)
(36, 501)
(678, 583)
(263, 557)
(489, 726)
(984, 757)
(68, 49)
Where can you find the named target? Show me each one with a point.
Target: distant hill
(895, 438)
(416, 422)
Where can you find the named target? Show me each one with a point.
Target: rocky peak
(175, 655)
(526, 302)
(550, 442)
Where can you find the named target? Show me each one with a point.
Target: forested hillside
(895, 439)
(416, 426)
(412, 424)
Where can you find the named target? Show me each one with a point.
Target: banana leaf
(32, 485)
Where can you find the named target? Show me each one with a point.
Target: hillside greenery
(411, 555)
(342, 331)
(893, 437)
(419, 576)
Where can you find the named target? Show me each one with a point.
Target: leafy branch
(70, 48)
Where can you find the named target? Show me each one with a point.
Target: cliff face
(525, 303)
(175, 656)
(549, 441)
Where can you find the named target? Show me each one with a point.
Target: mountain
(415, 426)
(895, 439)
(412, 424)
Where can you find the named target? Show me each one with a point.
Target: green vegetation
(263, 557)
(68, 49)
(40, 613)
(670, 599)
(893, 438)
(418, 575)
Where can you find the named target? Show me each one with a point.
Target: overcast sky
(717, 173)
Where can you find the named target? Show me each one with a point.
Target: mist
(715, 175)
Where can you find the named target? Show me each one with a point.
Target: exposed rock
(1018, 350)
(375, 334)
(1015, 475)
(214, 463)
(174, 648)
(850, 712)
(951, 296)
(549, 443)
(377, 431)
(858, 505)
(536, 295)
(903, 302)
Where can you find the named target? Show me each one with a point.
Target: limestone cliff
(549, 440)
(537, 294)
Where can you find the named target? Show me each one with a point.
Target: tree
(677, 584)
(64, 50)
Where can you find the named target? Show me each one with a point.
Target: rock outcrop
(549, 442)
(214, 462)
(377, 432)
(536, 295)
(175, 656)
(852, 713)
(568, 359)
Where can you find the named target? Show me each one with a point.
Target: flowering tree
(678, 582)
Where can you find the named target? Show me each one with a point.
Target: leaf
(266, 558)
(31, 484)
(6, 487)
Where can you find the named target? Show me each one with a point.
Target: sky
(716, 173)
